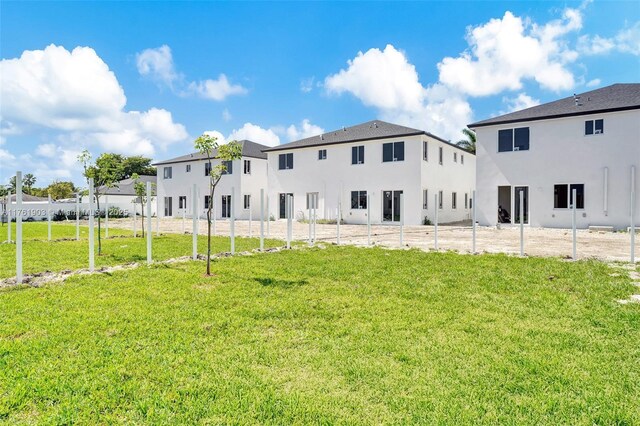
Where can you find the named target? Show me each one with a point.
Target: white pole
(49, 217)
(91, 230)
(213, 210)
(250, 217)
(195, 222)
(309, 201)
(368, 219)
(521, 222)
(632, 214)
(157, 216)
(149, 223)
(9, 217)
(315, 215)
(184, 218)
(473, 209)
(573, 221)
(401, 219)
(338, 220)
(135, 224)
(268, 218)
(106, 216)
(77, 216)
(19, 227)
(232, 223)
(261, 219)
(435, 228)
(288, 214)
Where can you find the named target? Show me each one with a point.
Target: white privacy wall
(181, 184)
(335, 178)
(560, 153)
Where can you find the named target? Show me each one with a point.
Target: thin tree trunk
(209, 230)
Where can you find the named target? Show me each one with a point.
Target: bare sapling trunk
(209, 208)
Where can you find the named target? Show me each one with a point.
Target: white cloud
(306, 84)
(505, 52)
(216, 134)
(226, 115)
(75, 94)
(625, 41)
(46, 150)
(256, 134)
(522, 101)
(594, 83)
(217, 90)
(386, 80)
(305, 130)
(157, 64)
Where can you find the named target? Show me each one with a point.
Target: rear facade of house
(373, 162)
(588, 143)
(239, 187)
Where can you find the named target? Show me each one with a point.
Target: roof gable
(249, 149)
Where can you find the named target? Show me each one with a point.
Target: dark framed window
(392, 151)
(247, 202)
(358, 199)
(594, 127)
(466, 201)
(182, 202)
(228, 167)
(440, 200)
(168, 173)
(425, 199)
(207, 169)
(322, 154)
(207, 199)
(357, 154)
(285, 161)
(425, 150)
(247, 167)
(440, 155)
(188, 168)
(563, 196)
(454, 200)
(513, 139)
(455, 157)
(461, 158)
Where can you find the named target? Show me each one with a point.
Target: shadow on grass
(270, 282)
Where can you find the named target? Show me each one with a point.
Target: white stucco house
(247, 176)
(376, 159)
(588, 142)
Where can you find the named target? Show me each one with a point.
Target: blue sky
(149, 77)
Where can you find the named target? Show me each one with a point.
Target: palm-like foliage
(469, 143)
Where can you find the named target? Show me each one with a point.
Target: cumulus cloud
(522, 101)
(625, 41)
(305, 130)
(157, 64)
(255, 133)
(594, 83)
(504, 52)
(387, 81)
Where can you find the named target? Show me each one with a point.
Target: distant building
(586, 142)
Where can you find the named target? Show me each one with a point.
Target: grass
(40, 255)
(334, 336)
(59, 230)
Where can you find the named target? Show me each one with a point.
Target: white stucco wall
(335, 178)
(181, 184)
(560, 153)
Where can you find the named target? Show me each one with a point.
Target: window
(168, 173)
(425, 151)
(440, 155)
(188, 168)
(563, 196)
(285, 161)
(513, 139)
(168, 210)
(455, 157)
(247, 167)
(466, 201)
(206, 201)
(322, 154)
(454, 200)
(247, 201)
(461, 158)
(440, 200)
(182, 202)
(357, 154)
(425, 199)
(312, 200)
(358, 199)
(207, 169)
(594, 127)
(228, 167)
(392, 151)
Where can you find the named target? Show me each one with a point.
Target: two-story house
(247, 176)
(375, 161)
(587, 142)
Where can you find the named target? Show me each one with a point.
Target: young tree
(208, 145)
(28, 181)
(468, 144)
(137, 165)
(106, 172)
(59, 190)
(140, 189)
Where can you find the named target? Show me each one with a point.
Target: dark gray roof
(617, 97)
(26, 198)
(125, 187)
(375, 129)
(249, 149)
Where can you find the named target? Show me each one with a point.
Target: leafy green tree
(28, 181)
(140, 188)
(3, 191)
(468, 144)
(208, 145)
(106, 172)
(137, 165)
(60, 190)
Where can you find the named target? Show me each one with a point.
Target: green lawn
(59, 230)
(41, 255)
(335, 336)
